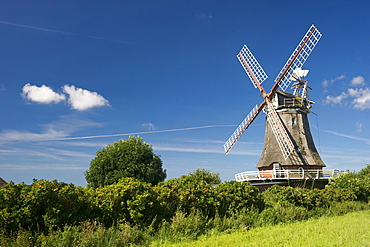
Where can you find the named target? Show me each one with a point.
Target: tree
(207, 176)
(125, 158)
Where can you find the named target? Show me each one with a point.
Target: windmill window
(276, 166)
(300, 171)
(293, 121)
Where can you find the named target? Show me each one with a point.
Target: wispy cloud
(335, 99)
(360, 96)
(358, 127)
(61, 128)
(55, 132)
(326, 82)
(206, 148)
(187, 149)
(345, 158)
(149, 125)
(72, 34)
(367, 141)
(143, 132)
(41, 167)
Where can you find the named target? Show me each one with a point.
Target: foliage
(52, 213)
(191, 225)
(233, 197)
(357, 183)
(187, 195)
(93, 234)
(125, 158)
(128, 201)
(43, 205)
(365, 172)
(206, 176)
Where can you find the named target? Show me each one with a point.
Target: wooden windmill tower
(289, 151)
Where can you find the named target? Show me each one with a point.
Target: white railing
(286, 174)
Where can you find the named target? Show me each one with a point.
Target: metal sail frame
(257, 76)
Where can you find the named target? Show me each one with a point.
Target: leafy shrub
(128, 201)
(357, 183)
(279, 195)
(41, 206)
(186, 195)
(233, 197)
(206, 176)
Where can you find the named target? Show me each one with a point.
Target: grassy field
(352, 229)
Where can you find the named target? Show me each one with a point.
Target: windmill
(288, 143)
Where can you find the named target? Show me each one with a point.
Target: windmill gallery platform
(298, 178)
(289, 156)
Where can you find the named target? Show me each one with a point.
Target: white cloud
(149, 125)
(52, 131)
(362, 98)
(81, 99)
(367, 141)
(358, 127)
(326, 83)
(42, 95)
(358, 81)
(335, 100)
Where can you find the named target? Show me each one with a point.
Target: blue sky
(78, 75)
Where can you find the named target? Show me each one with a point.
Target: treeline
(186, 206)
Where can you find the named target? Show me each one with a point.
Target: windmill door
(277, 172)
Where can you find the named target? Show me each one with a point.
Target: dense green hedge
(45, 206)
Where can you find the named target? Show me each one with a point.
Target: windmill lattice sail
(298, 57)
(241, 128)
(285, 143)
(251, 66)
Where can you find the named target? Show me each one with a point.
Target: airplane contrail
(74, 34)
(140, 133)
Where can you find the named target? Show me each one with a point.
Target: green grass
(352, 229)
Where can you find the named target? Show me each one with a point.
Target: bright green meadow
(352, 229)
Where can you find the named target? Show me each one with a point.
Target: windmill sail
(298, 57)
(242, 127)
(285, 143)
(251, 66)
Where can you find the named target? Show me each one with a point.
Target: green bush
(186, 195)
(204, 175)
(233, 197)
(41, 206)
(357, 183)
(128, 201)
(279, 195)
